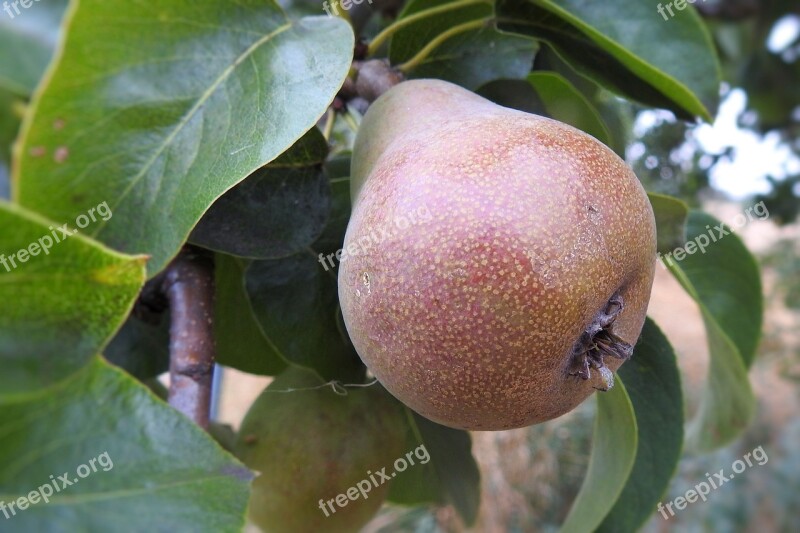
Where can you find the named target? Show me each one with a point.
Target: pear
(524, 286)
(310, 444)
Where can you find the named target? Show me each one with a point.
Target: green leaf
(451, 476)
(239, 340)
(550, 94)
(728, 403)
(619, 42)
(413, 38)
(62, 305)
(476, 57)
(652, 381)
(338, 165)
(671, 214)
(610, 464)
(295, 301)
(723, 279)
(617, 115)
(727, 281)
(277, 211)
(305, 8)
(160, 111)
(332, 238)
(154, 470)
(141, 348)
(27, 41)
(563, 102)
(516, 94)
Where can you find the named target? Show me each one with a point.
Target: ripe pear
(310, 444)
(525, 286)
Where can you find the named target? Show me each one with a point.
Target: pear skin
(525, 286)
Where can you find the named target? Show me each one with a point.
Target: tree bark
(188, 285)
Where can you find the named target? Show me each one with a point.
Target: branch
(189, 287)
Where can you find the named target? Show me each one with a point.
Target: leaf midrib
(190, 114)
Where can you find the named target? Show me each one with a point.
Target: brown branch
(189, 287)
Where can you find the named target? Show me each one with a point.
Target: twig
(189, 288)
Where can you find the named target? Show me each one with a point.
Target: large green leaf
(671, 214)
(728, 403)
(722, 276)
(652, 381)
(726, 280)
(565, 103)
(451, 476)
(133, 463)
(161, 110)
(296, 303)
(27, 40)
(239, 340)
(61, 304)
(610, 464)
(618, 42)
(277, 211)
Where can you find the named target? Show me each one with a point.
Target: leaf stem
(423, 54)
(348, 118)
(391, 29)
(330, 119)
(189, 287)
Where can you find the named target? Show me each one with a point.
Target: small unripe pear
(525, 284)
(309, 443)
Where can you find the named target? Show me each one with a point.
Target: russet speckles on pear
(472, 317)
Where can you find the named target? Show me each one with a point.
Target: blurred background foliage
(759, 46)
